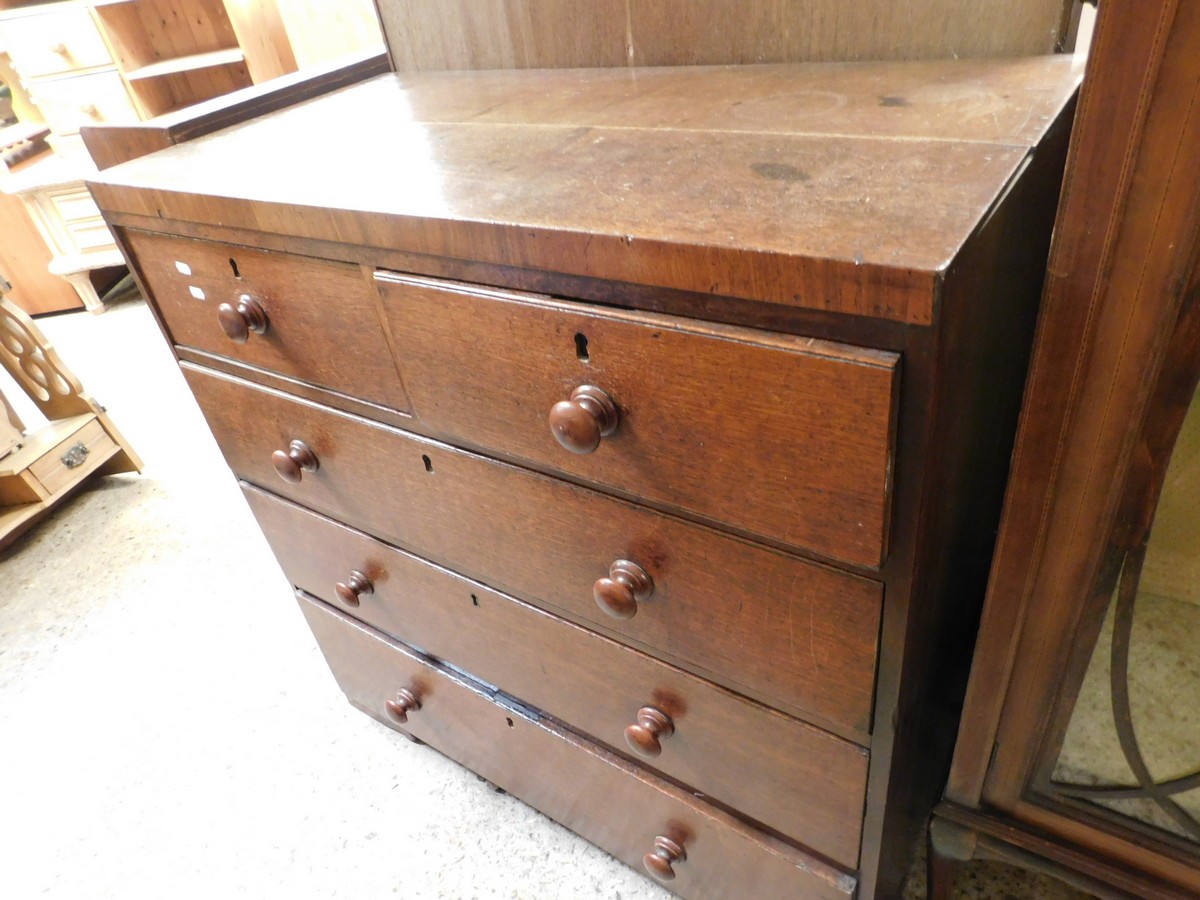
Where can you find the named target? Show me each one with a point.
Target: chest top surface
(843, 187)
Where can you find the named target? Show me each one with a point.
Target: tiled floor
(168, 728)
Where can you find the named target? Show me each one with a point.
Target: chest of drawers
(635, 438)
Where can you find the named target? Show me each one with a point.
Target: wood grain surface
(802, 214)
(605, 799)
(323, 325)
(784, 437)
(771, 768)
(812, 630)
(500, 34)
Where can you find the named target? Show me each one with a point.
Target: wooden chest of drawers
(634, 438)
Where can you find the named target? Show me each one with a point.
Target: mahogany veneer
(674, 406)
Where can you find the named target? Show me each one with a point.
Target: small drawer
(790, 777)
(601, 797)
(75, 205)
(53, 40)
(90, 234)
(95, 99)
(73, 457)
(707, 596)
(319, 318)
(783, 437)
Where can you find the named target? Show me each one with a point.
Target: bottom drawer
(630, 813)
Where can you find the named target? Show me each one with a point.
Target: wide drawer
(322, 325)
(799, 636)
(784, 437)
(789, 776)
(95, 99)
(54, 39)
(599, 796)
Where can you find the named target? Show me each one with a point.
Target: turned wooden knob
(401, 705)
(291, 464)
(579, 423)
(90, 110)
(238, 321)
(661, 860)
(61, 50)
(653, 726)
(626, 586)
(352, 588)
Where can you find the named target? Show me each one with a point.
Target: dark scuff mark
(779, 172)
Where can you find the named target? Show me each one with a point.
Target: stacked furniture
(634, 437)
(113, 62)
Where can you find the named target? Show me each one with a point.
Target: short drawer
(90, 234)
(54, 39)
(95, 99)
(611, 803)
(320, 318)
(783, 437)
(70, 459)
(789, 776)
(813, 631)
(75, 205)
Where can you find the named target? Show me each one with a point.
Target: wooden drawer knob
(238, 321)
(653, 726)
(352, 588)
(661, 860)
(579, 423)
(626, 586)
(401, 705)
(291, 464)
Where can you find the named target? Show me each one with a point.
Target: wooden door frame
(1122, 267)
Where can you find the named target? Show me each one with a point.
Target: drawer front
(95, 99)
(594, 793)
(322, 322)
(783, 437)
(90, 234)
(75, 205)
(789, 776)
(813, 630)
(48, 43)
(81, 452)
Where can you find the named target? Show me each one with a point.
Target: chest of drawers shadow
(649, 424)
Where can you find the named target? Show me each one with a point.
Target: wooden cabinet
(1078, 749)
(650, 424)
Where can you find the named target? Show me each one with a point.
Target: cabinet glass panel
(1133, 741)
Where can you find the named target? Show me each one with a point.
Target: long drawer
(318, 319)
(628, 812)
(784, 437)
(800, 636)
(787, 775)
(53, 39)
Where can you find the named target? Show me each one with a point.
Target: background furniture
(1077, 750)
(41, 467)
(122, 61)
(705, 378)
(24, 257)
